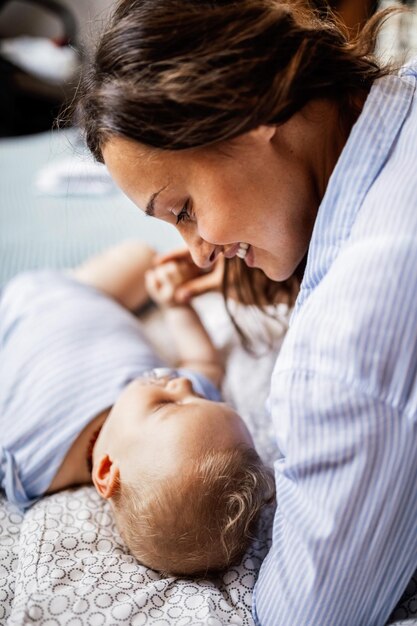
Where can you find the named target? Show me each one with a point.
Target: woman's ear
(105, 476)
(263, 132)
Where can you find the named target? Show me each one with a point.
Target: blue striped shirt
(344, 389)
(66, 353)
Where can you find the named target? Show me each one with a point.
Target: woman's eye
(184, 215)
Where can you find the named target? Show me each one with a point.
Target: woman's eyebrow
(150, 207)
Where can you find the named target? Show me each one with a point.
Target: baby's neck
(74, 468)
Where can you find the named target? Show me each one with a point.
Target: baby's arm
(194, 346)
(119, 272)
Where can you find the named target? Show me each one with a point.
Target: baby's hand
(196, 281)
(162, 281)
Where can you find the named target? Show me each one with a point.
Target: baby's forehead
(208, 423)
(210, 409)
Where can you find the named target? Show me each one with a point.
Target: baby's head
(184, 480)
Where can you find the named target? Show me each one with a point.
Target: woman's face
(262, 189)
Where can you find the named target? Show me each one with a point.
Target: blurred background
(56, 205)
(42, 45)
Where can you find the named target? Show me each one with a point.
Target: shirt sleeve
(344, 539)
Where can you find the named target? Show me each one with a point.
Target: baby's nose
(180, 385)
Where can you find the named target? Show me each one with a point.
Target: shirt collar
(362, 158)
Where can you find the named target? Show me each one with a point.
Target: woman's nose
(204, 253)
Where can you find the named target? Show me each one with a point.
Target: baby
(84, 398)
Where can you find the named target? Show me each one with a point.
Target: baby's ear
(105, 476)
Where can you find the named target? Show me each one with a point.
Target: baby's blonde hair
(199, 521)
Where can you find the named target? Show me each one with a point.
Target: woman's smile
(258, 203)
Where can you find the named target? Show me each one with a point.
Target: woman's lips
(231, 252)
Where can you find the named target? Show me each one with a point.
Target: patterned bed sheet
(64, 563)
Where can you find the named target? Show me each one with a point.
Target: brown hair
(177, 74)
(181, 74)
(250, 286)
(199, 521)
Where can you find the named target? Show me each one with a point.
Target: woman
(261, 132)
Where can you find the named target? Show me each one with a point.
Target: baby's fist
(162, 282)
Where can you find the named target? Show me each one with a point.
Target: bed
(63, 561)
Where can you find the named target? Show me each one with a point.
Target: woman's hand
(195, 280)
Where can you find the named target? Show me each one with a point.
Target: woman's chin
(278, 275)
(270, 267)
